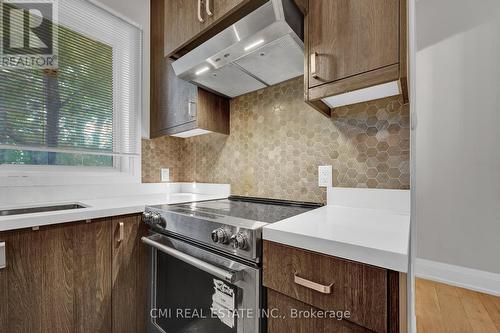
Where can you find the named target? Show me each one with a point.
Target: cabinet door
(289, 315)
(351, 37)
(129, 275)
(355, 287)
(177, 109)
(173, 101)
(180, 99)
(181, 23)
(57, 279)
(213, 112)
(221, 8)
(184, 30)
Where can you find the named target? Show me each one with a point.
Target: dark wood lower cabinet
(294, 316)
(130, 275)
(299, 279)
(73, 278)
(92, 272)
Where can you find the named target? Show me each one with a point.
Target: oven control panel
(233, 239)
(237, 241)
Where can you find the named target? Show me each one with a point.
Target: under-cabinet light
(363, 95)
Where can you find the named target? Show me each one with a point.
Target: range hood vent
(262, 49)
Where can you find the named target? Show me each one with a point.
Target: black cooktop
(256, 209)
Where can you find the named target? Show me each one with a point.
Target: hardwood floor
(444, 308)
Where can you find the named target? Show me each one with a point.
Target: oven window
(185, 296)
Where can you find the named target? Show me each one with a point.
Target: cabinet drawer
(328, 283)
(289, 315)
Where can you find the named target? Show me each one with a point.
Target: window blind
(90, 103)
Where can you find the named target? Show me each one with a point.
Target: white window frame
(125, 169)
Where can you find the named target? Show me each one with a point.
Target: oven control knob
(214, 236)
(220, 236)
(239, 241)
(146, 216)
(157, 219)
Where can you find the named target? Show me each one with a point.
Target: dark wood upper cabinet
(177, 109)
(351, 37)
(181, 23)
(188, 23)
(176, 105)
(353, 44)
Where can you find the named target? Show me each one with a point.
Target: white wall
(458, 132)
(138, 12)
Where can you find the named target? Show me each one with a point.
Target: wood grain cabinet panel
(177, 105)
(360, 289)
(221, 8)
(353, 44)
(57, 279)
(189, 23)
(297, 317)
(351, 37)
(92, 270)
(130, 275)
(181, 23)
(75, 277)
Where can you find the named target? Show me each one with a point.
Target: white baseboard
(459, 276)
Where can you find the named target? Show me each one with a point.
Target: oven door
(196, 290)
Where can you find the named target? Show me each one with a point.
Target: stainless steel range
(206, 263)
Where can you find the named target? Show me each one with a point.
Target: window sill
(28, 175)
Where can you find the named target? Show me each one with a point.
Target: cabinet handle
(121, 232)
(3, 260)
(313, 285)
(314, 74)
(207, 8)
(199, 12)
(190, 110)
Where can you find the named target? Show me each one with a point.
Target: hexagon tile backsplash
(277, 143)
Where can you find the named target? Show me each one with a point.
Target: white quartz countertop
(368, 226)
(103, 207)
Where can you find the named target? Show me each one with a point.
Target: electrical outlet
(165, 175)
(325, 176)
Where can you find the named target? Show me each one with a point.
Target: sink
(29, 210)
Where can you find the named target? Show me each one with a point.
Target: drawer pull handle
(121, 232)
(313, 285)
(314, 73)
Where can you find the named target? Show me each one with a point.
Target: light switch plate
(325, 176)
(165, 175)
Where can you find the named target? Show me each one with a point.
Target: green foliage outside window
(70, 108)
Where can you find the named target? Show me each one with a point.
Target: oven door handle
(227, 276)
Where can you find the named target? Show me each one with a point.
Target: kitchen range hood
(262, 49)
